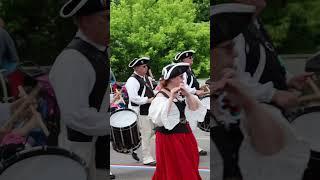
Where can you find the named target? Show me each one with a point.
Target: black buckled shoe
(203, 153)
(112, 176)
(151, 164)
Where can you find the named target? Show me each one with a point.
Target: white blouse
(72, 78)
(161, 116)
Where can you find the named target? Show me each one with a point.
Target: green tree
(36, 27)
(202, 10)
(157, 29)
(293, 25)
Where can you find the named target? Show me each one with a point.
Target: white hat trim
(179, 55)
(136, 61)
(231, 7)
(167, 75)
(82, 2)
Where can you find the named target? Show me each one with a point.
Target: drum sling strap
(273, 71)
(100, 62)
(191, 77)
(148, 93)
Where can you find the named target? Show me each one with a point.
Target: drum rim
(128, 150)
(199, 124)
(125, 128)
(205, 96)
(123, 109)
(304, 111)
(41, 150)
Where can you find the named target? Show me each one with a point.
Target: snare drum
(124, 130)
(307, 125)
(49, 163)
(205, 125)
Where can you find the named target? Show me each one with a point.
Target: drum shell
(40, 152)
(309, 130)
(125, 138)
(205, 125)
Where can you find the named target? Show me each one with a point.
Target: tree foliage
(293, 25)
(202, 10)
(39, 32)
(157, 29)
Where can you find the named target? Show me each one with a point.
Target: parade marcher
(79, 77)
(189, 77)
(8, 110)
(117, 102)
(140, 92)
(9, 61)
(191, 83)
(259, 57)
(8, 53)
(17, 121)
(268, 136)
(176, 147)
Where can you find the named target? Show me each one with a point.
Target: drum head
(206, 101)
(307, 125)
(123, 118)
(41, 163)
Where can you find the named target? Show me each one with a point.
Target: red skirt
(177, 157)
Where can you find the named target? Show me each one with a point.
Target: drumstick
(34, 111)
(150, 73)
(120, 96)
(311, 97)
(208, 89)
(15, 115)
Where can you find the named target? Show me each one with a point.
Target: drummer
(191, 83)
(270, 148)
(79, 78)
(171, 110)
(261, 59)
(140, 92)
(26, 116)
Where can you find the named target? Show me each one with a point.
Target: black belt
(77, 136)
(134, 104)
(315, 155)
(179, 128)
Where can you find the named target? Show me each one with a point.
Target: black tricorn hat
(182, 55)
(83, 7)
(139, 61)
(229, 20)
(174, 70)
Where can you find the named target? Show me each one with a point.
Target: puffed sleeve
(160, 114)
(198, 115)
